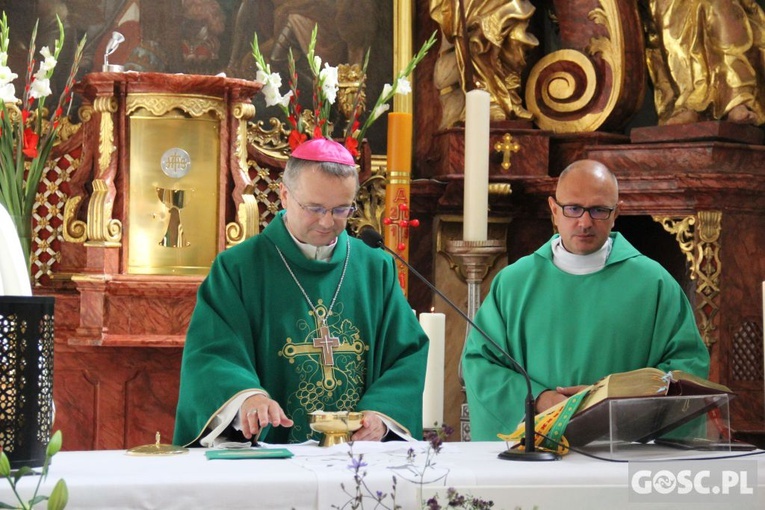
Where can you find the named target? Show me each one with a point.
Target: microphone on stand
(373, 239)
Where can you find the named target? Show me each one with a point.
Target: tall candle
(397, 190)
(434, 325)
(476, 201)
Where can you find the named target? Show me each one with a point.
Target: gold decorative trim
(85, 113)
(74, 231)
(371, 202)
(105, 106)
(567, 78)
(699, 239)
(102, 230)
(247, 222)
(501, 189)
(242, 112)
(67, 129)
(160, 104)
(271, 140)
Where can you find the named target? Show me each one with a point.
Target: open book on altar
(651, 403)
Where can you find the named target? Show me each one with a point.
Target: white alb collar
(323, 253)
(580, 264)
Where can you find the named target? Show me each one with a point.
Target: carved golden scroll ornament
(701, 246)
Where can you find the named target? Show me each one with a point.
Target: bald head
(593, 173)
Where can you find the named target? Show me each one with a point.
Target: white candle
(434, 325)
(476, 201)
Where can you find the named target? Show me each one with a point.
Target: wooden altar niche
(693, 199)
(120, 328)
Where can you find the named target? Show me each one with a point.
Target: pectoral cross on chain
(326, 343)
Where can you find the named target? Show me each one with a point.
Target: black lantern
(26, 378)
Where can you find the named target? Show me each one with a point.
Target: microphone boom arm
(373, 239)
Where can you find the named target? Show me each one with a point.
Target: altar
(322, 478)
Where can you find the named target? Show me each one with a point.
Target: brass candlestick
(472, 261)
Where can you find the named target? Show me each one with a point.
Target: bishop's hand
(372, 428)
(259, 411)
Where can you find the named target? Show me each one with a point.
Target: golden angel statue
(706, 59)
(498, 39)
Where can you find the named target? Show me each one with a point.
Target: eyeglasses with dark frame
(342, 212)
(598, 212)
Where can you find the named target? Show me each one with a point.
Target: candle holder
(472, 261)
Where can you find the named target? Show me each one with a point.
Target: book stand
(644, 427)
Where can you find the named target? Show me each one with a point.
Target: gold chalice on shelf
(336, 426)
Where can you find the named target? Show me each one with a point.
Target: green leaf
(54, 445)
(5, 465)
(35, 500)
(22, 471)
(6, 505)
(59, 497)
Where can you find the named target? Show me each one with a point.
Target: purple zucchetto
(323, 149)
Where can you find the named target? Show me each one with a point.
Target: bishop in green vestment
(584, 305)
(306, 315)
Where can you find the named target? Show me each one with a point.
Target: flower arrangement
(26, 135)
(362, 493)
(59, 496)
(314, 123)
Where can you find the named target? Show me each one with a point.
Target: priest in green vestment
(584, 305)
(302, 318)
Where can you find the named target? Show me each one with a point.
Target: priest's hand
(372, 428)
(549, 398)
(258, 411)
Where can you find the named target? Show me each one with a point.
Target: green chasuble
(252, 328)
(568, 330)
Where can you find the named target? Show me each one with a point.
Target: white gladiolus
(285, 100)
(403, 87)
(8, 93)
(380, 110)
(6, 75)
(328, 78)
(386, 91)
(49, 63)
(271, 95)
(271, 84)
(40, 88)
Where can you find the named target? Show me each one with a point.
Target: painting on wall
(214, 36)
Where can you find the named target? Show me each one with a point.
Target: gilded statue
(706, 59)
(498, 41)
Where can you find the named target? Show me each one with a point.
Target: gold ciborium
(336, 426)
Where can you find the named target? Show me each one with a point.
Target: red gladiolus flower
(296, 138)
(353, 146)
(30, 143)
(317, 132)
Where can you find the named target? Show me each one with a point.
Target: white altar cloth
(312, 479)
